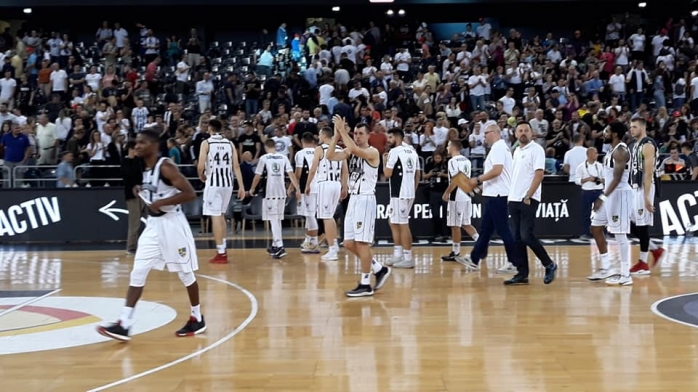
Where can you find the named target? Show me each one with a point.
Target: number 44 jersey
(219, 170)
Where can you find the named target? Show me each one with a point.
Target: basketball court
(287, 326)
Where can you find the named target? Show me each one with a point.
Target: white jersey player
(166, 242)
(402, 168)
(218, 160)
(613, 208)
(644, 157)
(460, 205)
(360, 217)
(307, 203)
(331, 178)
(274, 167)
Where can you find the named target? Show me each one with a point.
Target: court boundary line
(656, 311)
(28, 302)
(253, 314)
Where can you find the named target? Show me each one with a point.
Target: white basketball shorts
(459, 213)
(273, 208)
(640, 215)
(329, 193)
(615, 212)
(307, 205)
(167, 241)
(216, 200)
(400, 211)
(360, 219)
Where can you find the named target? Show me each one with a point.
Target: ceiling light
(382, 1)
(27, 10)
(401, 12)
(694, 13)
(389, 12)
(642, 5)
(335, 9)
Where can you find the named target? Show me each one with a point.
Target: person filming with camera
(589, 174)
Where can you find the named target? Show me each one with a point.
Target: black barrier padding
(99, 214)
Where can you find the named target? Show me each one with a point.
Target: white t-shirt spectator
(399, 58)
(694, 88)
(59, 80)
(573, 158)
(350, 50)
(92, 80)
(617, 83)
(478, 141)
(657, 43)
(7, 88)
(508, 104)
(638, 42)
(478, 89)
(325, 91)
(680, 87)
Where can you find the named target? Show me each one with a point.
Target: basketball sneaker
(331, 255)
(192, 327)
(382, 276)
(219, 258)
(310, 248)
(404, 264)
(467, 262)
(451, 256)
(272, 249)
(620, 280)
(393, 260)
(508, 269)
(362, 290)
(114, 331)
(656, 256)
(600, 274)
(280, 252)
(640, 268)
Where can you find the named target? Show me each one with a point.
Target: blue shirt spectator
(65, 176)
(16, 144)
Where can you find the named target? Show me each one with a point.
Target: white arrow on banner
(110, 212)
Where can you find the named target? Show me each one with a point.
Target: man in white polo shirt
(589, 175)
(495, 182)
(524, 198)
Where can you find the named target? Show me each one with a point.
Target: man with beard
(613, 209)
(524, 198)
(402, 168)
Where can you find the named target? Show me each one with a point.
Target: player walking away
(218, 160)
(360, 219)
(460, 205)
(332, 178)
(524, 198)
(643, 180)
(167, 240)
(613, 209)
(273, 165)
(402, 168)
(307, 203)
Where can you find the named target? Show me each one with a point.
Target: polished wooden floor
(434, 328)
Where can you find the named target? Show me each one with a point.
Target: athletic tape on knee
(311, 223)
(188, 278)
(138, 277)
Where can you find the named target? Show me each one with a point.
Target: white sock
(126, 317)
(624, 250)
(605, 261)
(397, 252)
(220, 249)
(276, 233)
(225, 243)
(196, 312)
(643, 256)
(313, 240)
(376, 267)
(476, 236)
(335, 247)
(307, 238)
(407, 254)
(456, 248)
(653, 246)
(365, 279)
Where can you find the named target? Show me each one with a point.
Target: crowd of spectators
(80, 104)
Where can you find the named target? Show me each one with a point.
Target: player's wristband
(602, 197)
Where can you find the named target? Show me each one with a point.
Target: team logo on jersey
(275, 167)
(410, 163)
(614, 218)
(640, 211)
(358, 225)
(182, 252)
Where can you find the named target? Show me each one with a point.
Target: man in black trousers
(524, 198)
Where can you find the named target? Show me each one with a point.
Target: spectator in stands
(48, 143)
(65, 175)
(674, 163)
(17, 150)
(436, 173)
